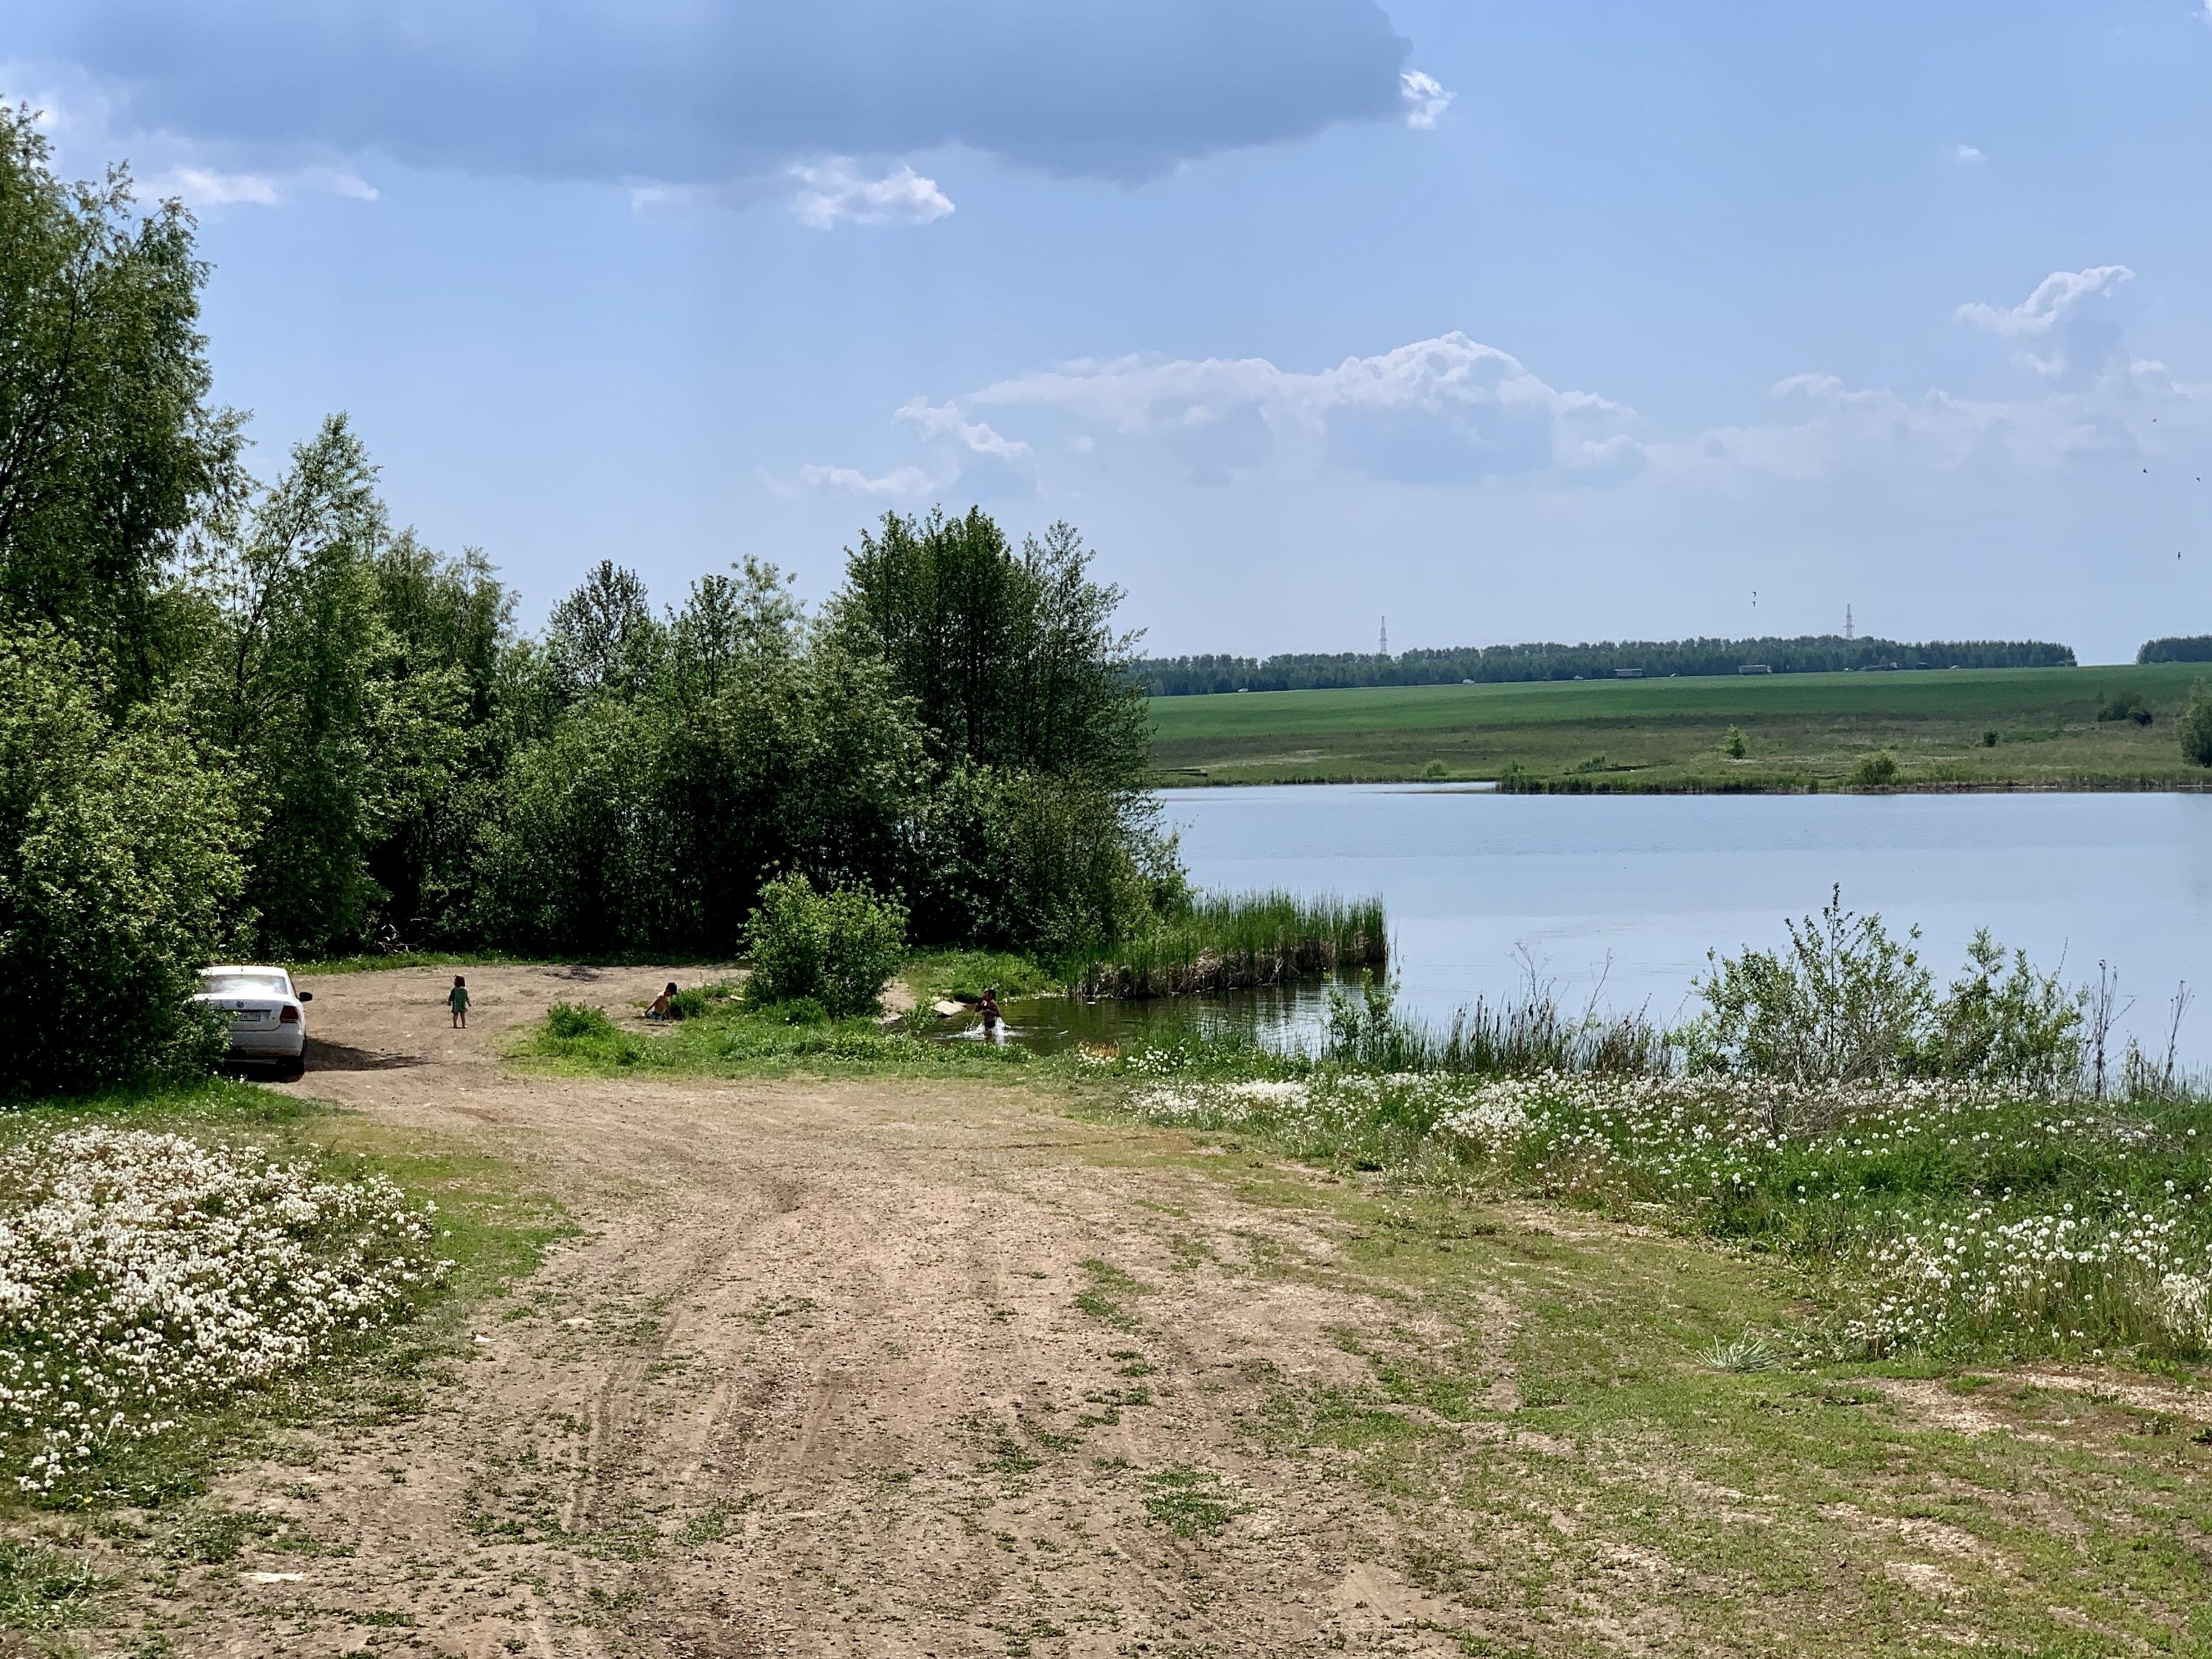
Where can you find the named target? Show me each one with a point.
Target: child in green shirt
(457, 1000)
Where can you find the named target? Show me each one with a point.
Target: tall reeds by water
(1236, 942)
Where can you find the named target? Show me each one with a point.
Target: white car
(267, 1021)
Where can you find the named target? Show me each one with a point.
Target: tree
(120, 877)
(602, 638)
(298, 694)
(2195, 724)
(109, 452)
(1010, 660)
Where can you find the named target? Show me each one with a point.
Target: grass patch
(42, 1589)
(729, 1039)
(1235, 941)
(963, 976)
(1188, 1501)
(1106, 1296)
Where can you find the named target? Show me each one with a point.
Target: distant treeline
(2193, 647)
(1823, 653)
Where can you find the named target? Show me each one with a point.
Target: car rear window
(244, 985)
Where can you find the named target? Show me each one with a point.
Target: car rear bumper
(278, 1042)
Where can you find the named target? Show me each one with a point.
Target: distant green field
(1800, 731)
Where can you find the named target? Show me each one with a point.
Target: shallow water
(1619, 897)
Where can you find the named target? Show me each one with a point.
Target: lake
(1621, 896)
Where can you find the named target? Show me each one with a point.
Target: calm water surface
(1621, 896)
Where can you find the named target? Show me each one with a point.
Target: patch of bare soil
(815, 1380)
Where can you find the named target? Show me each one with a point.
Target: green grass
(1538, 1413)
(965, 974)
(1232, 941)
(1800, 731)
(731, 1040)
(375, 963)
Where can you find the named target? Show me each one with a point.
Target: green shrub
(836, 947)
(1989, 740)
(1877, 771)
(570, 1021)
(120, 879)
(2125, 706)
(1736, 746)
(798, 1011)
(690, 1003)
(1848, 1003)
(2195, 724)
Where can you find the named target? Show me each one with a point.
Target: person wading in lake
(988, 1007)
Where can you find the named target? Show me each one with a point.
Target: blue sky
(1509, 321)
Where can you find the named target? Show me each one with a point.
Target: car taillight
(288, 1017)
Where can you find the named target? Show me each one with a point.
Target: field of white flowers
(1950, 1216)
(143, 1272)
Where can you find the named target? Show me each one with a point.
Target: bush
(570, 1021)
(836, 947)
(1989, 740)
(2127, 706)
(120, 879)
(2195, 724)
(1877, 771)
(1736, 746)
(1846, 1003)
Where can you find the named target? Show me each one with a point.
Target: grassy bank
(1959, 728)
(725, 1038)
(1233, 942)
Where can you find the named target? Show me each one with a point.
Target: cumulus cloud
(1444, 410)
(701, 98)
(2055, 299)
(945, 420)
(1967, 156)
(1424, 98)
(213, 187)
(900, 481)
(839, 191)
(2076, 345)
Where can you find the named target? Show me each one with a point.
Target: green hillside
(1799, 730)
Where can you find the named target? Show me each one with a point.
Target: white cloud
(1444, 410)
(943, 421)
(900, 480)
(1967, 156)
(212, 187)
(1425, 99)
(836, 192)
(2054, 300)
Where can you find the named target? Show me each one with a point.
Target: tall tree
(109, 452)
(1009, 658)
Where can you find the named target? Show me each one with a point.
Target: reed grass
(1235, 942)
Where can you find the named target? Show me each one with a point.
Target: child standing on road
(457, 1000)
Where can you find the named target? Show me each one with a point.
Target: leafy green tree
(120, 877)
(602, 639)
(296, 694)
(111, 456)
(1009, 658)
(2195, 724)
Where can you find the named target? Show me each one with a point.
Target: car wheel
(291, 1070)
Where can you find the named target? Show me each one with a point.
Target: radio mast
(1847, 622)
(1383, 645)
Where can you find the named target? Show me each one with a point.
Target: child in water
(457, 1000)
(988, 1007)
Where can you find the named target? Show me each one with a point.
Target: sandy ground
(812, 1379)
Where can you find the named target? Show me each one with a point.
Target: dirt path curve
(814, 1379)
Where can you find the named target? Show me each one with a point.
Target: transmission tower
(1383, 645)
(1847, 622)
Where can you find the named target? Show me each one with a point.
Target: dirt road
(834, 1367)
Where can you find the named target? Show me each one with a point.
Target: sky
(1506, 322)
